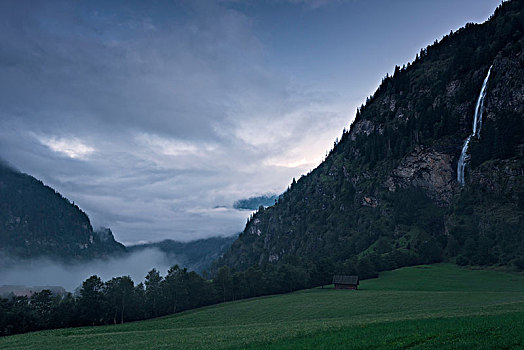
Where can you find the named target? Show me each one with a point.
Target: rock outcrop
(427, 169)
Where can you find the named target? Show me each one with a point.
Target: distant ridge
(196, 255)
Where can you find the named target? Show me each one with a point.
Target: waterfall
(477, 125)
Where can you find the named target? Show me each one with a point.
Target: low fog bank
(45, 272)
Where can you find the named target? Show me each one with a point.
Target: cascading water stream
(477, 125)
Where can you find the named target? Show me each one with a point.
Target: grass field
(435, 306)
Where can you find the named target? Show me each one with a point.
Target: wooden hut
(345, 282)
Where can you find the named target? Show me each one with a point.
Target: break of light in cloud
(154, 117)
(71, 147)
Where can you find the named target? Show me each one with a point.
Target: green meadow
(422, 307)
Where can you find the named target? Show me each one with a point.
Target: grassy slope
(420, 307)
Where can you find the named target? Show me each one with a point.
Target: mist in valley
(46, 272)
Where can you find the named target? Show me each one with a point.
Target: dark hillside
(387, 195)
(35, 220)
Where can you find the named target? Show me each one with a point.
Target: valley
(197, 125)
(425, 306)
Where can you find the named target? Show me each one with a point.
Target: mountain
(388, 194)
(36, 221)
(196, 255)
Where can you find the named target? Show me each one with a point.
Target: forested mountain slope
(35, 221)
(387, 195)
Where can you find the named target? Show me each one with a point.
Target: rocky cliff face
(427, 169)
(507, 90)
(388, 191)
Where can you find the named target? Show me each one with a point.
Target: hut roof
(342, 279)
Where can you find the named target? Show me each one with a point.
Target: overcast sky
(155, 116)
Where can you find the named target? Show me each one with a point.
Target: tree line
(120, 300)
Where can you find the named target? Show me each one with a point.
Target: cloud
(71, 147)
(174, 147)
(148, 116)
